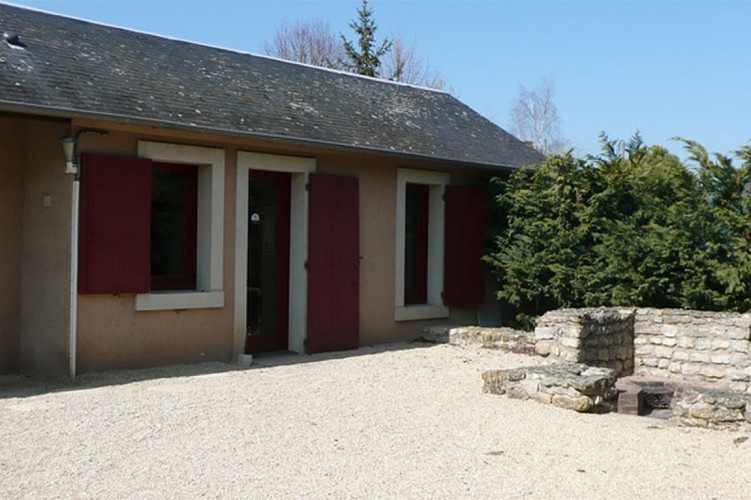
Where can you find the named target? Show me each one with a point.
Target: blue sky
(666, 68)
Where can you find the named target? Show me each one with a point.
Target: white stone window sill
(163, 301)
(417, 312)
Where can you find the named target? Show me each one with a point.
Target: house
(168, 202)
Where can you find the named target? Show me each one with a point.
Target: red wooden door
(464, 271)
(333, 264)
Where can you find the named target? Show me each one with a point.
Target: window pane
(416, 244)
(173, 226)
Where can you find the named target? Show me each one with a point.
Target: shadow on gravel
(281, 358)
(24, 387)
(20, 386)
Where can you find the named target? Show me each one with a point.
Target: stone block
(568, 354)
(704, 411)
(702, 344)
(572, 342)
(543, 397)
(719, 344)
(664, 363)
(742, 387)
(545, 333)
(517, 392)
(680, 355)
(650, 362)
(643, 350)
(740, 360)
(699, 357)
(542, 348)
(690, 368)
(685, 342)
(623, 352)
(663, 352)
(713, 371)
(641, 340)
(721, 359)
(674, 367)
(738, 334)
(739, 375)
(669, 330)
(722, 415)
(739, 346)
(669, 342)
(580, 404)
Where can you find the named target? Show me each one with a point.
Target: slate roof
(75, 68)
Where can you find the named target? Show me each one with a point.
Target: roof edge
(70, 113)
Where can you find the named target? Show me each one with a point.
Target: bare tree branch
(310, 42)
(403, 64)
(534, 118)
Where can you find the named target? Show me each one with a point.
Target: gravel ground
(401, 421)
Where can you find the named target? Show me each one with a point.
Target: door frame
(300, 168)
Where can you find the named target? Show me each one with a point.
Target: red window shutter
(333, 264)
(115, 225)
(464, 271)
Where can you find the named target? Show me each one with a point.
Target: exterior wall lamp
(69, 148)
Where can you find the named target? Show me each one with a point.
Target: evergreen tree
(365, 59)
(633, 226)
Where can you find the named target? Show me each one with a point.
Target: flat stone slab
(573, 386)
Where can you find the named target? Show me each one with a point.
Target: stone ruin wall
(696, 346)
(597, 337)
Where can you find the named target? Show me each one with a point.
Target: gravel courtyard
(399, 421)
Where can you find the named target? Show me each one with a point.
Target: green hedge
(633, 226)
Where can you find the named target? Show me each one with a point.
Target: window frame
(433, 306)
(209, 288)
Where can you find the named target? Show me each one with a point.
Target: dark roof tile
(91, 69)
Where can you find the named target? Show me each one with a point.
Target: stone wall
(693, 345)
(573, 386)
(505, 339)
(600, 337)
(712, 409)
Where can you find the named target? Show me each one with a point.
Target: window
(152, 225)
(174, 191)
(419, 245)
(416, 245)
(174, 291)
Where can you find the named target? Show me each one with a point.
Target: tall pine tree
(365, 59)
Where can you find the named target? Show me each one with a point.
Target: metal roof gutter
(70, 113)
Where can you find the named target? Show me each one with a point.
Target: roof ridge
(226, 49)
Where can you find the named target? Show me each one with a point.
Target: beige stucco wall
(11, 244)
(45, 269)
(112, 334)
(377, 178)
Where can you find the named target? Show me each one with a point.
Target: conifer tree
(365, 59)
